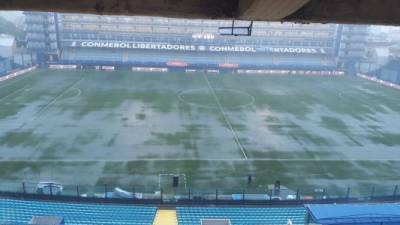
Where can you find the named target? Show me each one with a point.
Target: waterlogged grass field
(124, 129)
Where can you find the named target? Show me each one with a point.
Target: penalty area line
(14, 80)
(13, 93)
(44, 108)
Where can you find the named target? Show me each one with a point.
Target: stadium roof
(324, 11)
(355, 213)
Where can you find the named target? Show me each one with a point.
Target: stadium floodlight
(236, 31)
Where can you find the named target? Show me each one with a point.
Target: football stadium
(152, 120)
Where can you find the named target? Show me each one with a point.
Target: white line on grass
(13, 93)
(79, 91)
(16, 79)
(190, 159)
(44, 108)
(225, 117)
(182, 99)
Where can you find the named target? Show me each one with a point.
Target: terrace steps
(165, 217)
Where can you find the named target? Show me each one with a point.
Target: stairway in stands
(165, 217)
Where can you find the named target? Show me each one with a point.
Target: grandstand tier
(242, 216)
(151, 41)
(21, 212)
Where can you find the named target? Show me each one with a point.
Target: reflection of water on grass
(195, 97)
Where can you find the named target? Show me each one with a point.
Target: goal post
(163, 176)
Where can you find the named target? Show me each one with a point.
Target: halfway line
(226, 118)
(191, 159)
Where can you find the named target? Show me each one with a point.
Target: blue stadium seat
(20, 212)
(242, 216)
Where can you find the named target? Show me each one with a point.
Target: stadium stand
(21, 212)
(6, 53)
(242, 216)
(354, 214)
(140, 41)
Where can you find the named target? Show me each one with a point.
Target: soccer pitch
(124, 129)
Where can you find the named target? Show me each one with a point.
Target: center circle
(214, 98)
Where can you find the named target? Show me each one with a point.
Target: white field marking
(180, 94)
(59, 96)
(189, 159)
(17, 73)
(225, 117)
(13, 93)
(12, 81)
(79, 92)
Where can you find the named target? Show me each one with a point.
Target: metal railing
(192, 196)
